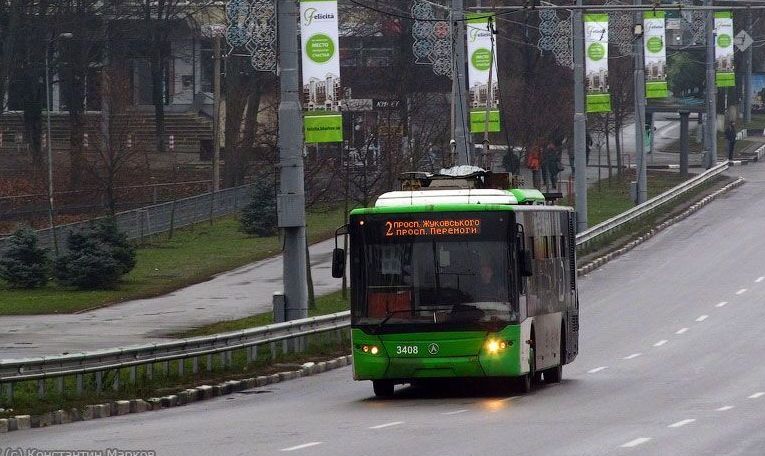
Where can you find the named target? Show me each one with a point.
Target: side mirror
(525, 263)
(338, 263)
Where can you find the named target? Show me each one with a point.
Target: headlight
(495, 345)
(373, 349)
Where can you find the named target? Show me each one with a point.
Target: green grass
(193, 255)
(758, 122)
(611, 197)
(327, 304)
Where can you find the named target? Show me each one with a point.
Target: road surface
(671, 363)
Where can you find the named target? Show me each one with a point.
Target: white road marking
(381, 426)
(741, 291)
(682, 331)
(660, 343)
(759, 279)
(681, 423)
(756, 395)
(597, 369)
(636, 442)
(725, 408)
(456, 412)
(300, 447)
(722, 304)
(702, 318)
(633, 356)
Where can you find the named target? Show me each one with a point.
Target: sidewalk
(234, 294)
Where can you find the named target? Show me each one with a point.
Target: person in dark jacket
(730, 135)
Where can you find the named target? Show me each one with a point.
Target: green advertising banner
(726, 73)
(596, 62)
(482, 73)
(322, 90)
(654, 40)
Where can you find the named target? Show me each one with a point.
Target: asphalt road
(670, 364)
(234, 294)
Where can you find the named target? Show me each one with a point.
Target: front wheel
(382, 388)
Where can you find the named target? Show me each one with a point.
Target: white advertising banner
(482, 67)
(655, 54)
(726, 73)
(322, 90)
(596, 59)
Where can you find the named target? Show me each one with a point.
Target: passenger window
(563, 247)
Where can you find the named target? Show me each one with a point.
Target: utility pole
(216, 116)
(580, 122)
(748, 73)
(291, 199)
(461, 129)
(711, 126)
(642, 175)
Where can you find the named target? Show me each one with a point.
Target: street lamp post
(48, 140)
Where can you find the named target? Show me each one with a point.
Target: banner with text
(482, 68)
(596, 59)
(322, 90)
(654, 41)
(726, 75)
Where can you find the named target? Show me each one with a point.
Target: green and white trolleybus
(461, 283)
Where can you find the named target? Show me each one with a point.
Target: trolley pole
(580, 122)
(711, 125)
(291, 199)
(639, 75)
(461, 129)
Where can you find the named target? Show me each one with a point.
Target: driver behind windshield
(490, 287)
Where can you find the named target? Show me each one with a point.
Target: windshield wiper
(390, 314)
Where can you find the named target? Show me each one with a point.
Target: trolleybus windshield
(450, 269)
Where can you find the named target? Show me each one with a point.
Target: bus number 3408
(406, 349)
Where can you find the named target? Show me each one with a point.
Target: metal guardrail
(613, 224)
(98, 362)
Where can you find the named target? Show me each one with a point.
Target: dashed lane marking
(682, 331)
(455, 412)
(300, 447)
(633, 356)
(681, 423)
(756, 395)
(597, 369)
(636, 442)
(386, 425)
(759, 279)
(724, 408)
(722, 304)
(660, 343)
(741, 291)
(702, 318)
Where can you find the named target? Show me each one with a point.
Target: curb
(185, 397)
(598, 262)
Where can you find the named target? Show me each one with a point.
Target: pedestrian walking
(730, 135)
(533, 162)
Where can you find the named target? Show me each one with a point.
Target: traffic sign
(743, 40)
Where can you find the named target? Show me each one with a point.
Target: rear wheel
(382, 388)
(554, 374)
